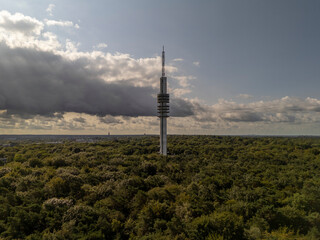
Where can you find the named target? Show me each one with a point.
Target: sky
(93, 67)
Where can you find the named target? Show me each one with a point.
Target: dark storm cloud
(110, 120)
(34, 82)
(241, 117)
(42, 83)
(80, 120)
(182, 108)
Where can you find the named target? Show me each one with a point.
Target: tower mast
(163, 108)
(163, 60)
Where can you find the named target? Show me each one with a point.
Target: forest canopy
(208, 187)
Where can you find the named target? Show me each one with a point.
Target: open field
(209, 187)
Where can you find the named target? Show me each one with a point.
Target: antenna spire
(163, 59)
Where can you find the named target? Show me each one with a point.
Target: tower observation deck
(163, 108)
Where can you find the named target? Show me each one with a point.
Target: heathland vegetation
(209, 187)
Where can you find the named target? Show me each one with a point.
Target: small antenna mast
(163, 70)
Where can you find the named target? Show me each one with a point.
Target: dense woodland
(209, 187)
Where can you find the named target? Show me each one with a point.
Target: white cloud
(178, 60)
(179, 92)
(196, 63)
(100, 46)
(50, 8)
(184, 85)
(245, 96)
(71, 47)
(61, 23)
(19, 24)
(184, 81)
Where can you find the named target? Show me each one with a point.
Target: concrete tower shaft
(163, 108)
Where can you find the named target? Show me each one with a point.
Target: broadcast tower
(163, 109)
